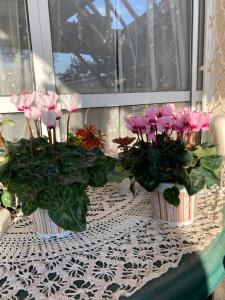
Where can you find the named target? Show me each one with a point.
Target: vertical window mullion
(40, 32)
(41, 44)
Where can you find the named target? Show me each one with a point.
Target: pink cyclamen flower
(151, 136)
(198, 120)
(58, 111)
(71, 102)
(22, 101)
(168, 110)
(151, 115)
(49, 118)
(165, 123)
(136, 124)
(1, 118)
(153, 112)
(206, 120)
(53, 99)
(32, 113)
(180, 124)
(38, 101)
(48, 101)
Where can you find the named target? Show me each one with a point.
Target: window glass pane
(15, 63)
(16, 132)
(108, 46)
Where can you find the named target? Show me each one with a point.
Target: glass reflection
(110, 46)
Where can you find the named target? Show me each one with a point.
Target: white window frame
(40, 33)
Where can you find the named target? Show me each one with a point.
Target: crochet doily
(122, 249)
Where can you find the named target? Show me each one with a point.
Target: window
(15, 50)
(121, 46)
(114, 52)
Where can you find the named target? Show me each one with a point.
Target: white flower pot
(45, 227)
(164, 212)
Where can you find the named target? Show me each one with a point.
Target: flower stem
(68, 126)
(40, 126)
(37, 129)
(138, 137)
(32, 150)
(141, 136)
(54, 135)
(51, 144)
(29, 128)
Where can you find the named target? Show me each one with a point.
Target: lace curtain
(15, 65)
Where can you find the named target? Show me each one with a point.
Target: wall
(214, 70)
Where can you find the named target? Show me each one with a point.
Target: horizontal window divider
(120, 99)
(124, 99)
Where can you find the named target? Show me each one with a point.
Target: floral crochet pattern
(122, 249)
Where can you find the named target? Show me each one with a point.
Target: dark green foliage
(170, 161)
(59, 184)
(172, 195)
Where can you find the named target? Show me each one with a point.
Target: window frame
(44, 77)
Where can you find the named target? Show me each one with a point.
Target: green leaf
(197, 181)
(5, 174)
(187, 158)
(204, 150)
(73, 171)
(172, 195)
(152, 158)
(210, 178)
(97, 177)
(46, 198)
(70, 209)
(29, 207)
(27, 195)
(98, 174)
(173, 154)
(212, 162)
(147, 182)
(7, 199)
(182, 177)
(8, 122)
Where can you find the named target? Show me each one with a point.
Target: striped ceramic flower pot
(184, 214)
(45, 227)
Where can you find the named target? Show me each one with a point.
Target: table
(196, 278)
(123, 252)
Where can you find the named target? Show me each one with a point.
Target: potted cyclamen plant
(49, 177)
(167, 162)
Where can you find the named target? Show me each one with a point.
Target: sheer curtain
(15, 64)
(156, 46)
(109, 46)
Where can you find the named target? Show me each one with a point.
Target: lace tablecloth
(121, 250)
